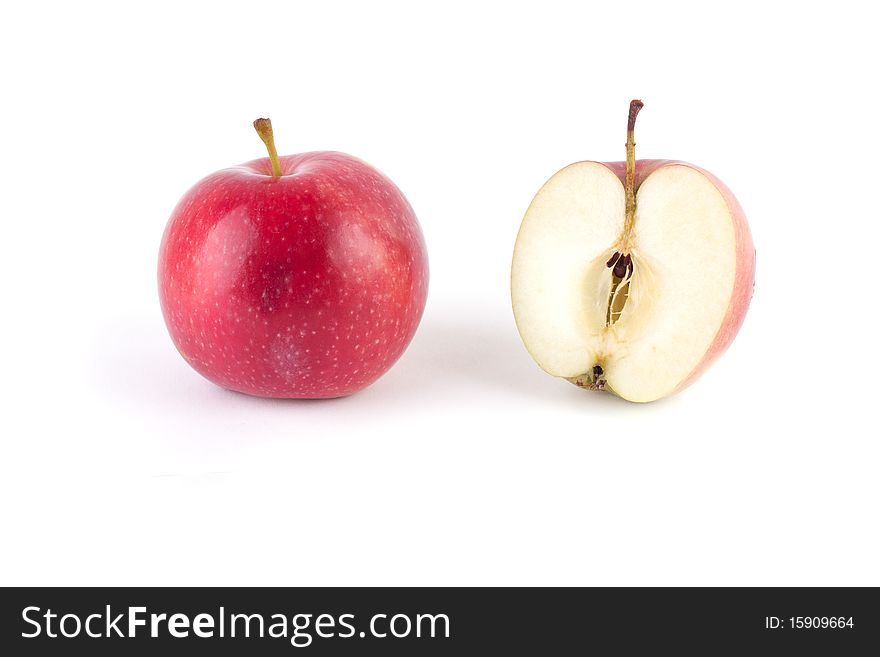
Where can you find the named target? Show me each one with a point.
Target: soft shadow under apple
(134, 363)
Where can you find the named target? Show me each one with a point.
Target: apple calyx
(592, 380)
(264, 129)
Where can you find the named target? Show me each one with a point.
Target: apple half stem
(264, 129)
(629, 185)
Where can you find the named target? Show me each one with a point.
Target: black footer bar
(438, 621)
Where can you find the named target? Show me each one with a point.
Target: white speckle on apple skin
(309, 285)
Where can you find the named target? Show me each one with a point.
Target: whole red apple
(302, 276)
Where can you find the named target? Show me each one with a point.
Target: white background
(465, 464)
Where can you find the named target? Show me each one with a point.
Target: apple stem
(630, 181)
(264, 129)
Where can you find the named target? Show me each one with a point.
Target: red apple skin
(306, 285)
(744, 279)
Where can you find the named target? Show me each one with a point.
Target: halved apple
(631, 277)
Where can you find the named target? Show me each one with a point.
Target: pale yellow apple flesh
(652, 332)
